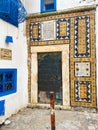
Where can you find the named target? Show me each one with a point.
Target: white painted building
(13, 55)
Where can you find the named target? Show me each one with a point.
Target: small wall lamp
(9, 39)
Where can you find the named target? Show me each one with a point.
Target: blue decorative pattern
(8, 81)
(87, 20)
(21, 12)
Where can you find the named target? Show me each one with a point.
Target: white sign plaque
(82, 69)
(48, 30)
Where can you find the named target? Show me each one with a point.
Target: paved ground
(39, 119)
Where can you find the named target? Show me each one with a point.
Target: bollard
(52, 111)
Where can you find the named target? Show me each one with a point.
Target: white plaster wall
(33, 6)
(18, 100)
(96, 27)
(63, 4)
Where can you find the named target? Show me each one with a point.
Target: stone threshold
(61, 107)
(47, 106)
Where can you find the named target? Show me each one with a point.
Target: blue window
(48, 5)
(8, 81)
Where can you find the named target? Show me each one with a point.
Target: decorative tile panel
(82, 59)
(76, 28)
(82, 36)
(35, 33)
(63, 28)
(48, 30)
(82, 69)
(55, 42)
(83, 91)
(35, 30)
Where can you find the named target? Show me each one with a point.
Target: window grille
(8, 81)
(21, 13)
(12, 11)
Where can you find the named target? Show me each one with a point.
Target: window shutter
(4, 6)
(9, 11)
(12, 11)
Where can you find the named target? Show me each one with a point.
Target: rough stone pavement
(39, 119)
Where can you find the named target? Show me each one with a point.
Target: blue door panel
(2, 107)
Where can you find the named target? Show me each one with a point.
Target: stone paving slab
(39, 119)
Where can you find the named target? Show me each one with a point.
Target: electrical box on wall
(9, 39)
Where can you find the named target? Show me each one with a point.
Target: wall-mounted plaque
(48, 29)
(82, 69)
(5, 54)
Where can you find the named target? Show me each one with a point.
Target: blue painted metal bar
(2, 107)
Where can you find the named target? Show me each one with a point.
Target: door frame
(64, 49)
